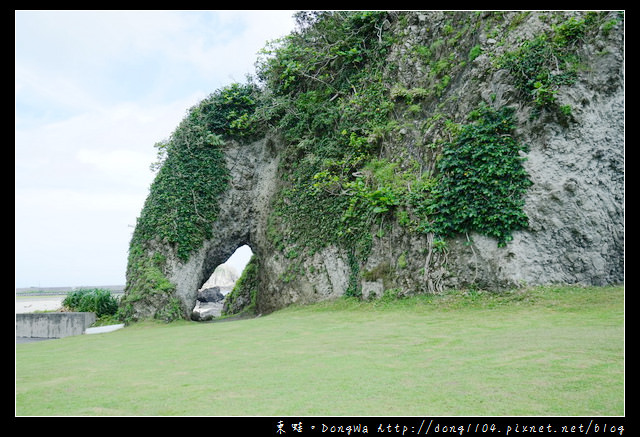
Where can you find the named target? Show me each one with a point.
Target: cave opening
(226, 274)
(211, 295)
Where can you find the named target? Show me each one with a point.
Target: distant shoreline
(45, 291)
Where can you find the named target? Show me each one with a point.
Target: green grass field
(549, 351)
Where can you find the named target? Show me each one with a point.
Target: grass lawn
(547, 351)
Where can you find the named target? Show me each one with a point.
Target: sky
(95, 90)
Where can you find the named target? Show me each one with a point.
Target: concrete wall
(53, 325)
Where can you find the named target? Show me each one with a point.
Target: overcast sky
(95, 90)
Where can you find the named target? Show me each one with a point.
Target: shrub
(96, 300)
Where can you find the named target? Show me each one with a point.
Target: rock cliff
(397, 153)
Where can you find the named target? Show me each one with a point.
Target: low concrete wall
(53, 325)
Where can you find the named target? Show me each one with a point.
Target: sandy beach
(30, 304)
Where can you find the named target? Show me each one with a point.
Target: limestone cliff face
(575, 206)
(574, 160)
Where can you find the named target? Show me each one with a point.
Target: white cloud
(146, 54)
(57, 201)
(94, 91)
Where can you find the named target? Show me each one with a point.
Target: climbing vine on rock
(183, 200)
(192, 173)
(482, 182)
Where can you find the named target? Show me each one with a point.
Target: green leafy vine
(482, 180)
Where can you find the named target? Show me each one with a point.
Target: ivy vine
(482, 180)
(183, 199)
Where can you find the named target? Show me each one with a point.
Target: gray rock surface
(205, 311)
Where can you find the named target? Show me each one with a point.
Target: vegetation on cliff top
(339, 108)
